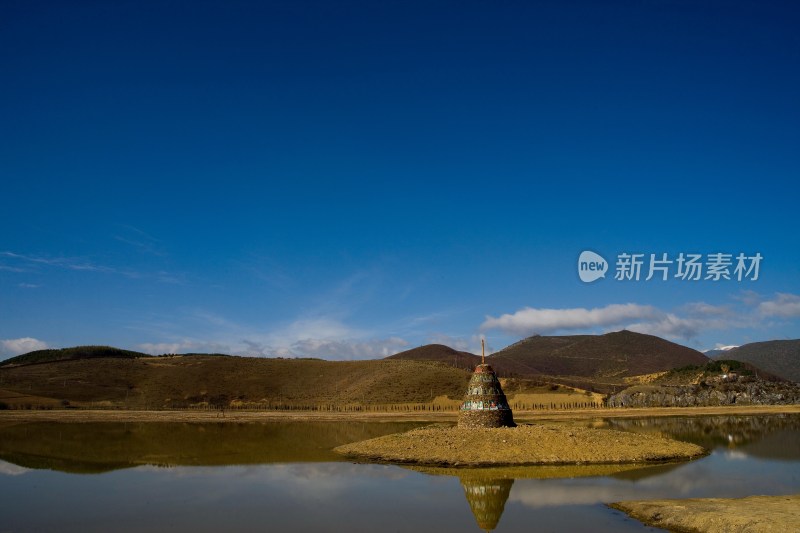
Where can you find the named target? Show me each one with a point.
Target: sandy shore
(751, 514)
(79, 415)
(540, 444)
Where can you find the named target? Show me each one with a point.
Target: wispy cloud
(69, 263)
(344, 349)
(37, 262)
(141, 241)
(783, 306)
(28, 285)
(12, 347)
(322, 337)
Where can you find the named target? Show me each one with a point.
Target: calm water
(283, 476)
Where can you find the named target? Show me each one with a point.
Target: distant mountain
(781, 358)
(716, 353)
(611, 356)
(441, 353)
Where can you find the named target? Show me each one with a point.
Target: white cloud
(12, 347)
(346, 349)
(685, 322)
(185, 346)
(529, 320)
(748, 297)
(670, 325)
(322, 337)
(784, 305)
(308, 337)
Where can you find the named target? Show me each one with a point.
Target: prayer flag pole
(483, 355)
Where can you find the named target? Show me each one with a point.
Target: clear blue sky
(350, 179)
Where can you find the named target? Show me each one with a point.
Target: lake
(283, 476)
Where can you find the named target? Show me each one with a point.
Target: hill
(183, 381)
(69, 354)
(781, 358)
(440, 353)
(600, 357)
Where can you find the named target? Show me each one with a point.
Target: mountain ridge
(779, 357)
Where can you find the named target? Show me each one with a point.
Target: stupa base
(477, 418)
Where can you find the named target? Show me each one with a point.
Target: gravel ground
(522, 445)
(752, 514)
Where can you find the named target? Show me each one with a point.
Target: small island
(486, 435)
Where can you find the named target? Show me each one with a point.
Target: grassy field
(237, 383)
(229, 382)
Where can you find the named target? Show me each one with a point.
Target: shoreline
(233, 416)
(751, 513)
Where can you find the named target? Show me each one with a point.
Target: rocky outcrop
(718, 390)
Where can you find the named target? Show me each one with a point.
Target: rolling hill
(596, 362)
(781, 358)
(440, 353)
(183, 381)
(611, 356)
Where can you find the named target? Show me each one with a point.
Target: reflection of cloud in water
(306, 480)
(719, 475)
(733, 455)
(10, 469)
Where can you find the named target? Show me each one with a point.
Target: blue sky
(350, 179)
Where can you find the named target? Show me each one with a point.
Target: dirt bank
(524, 445)
(751, 514)
(81, 415)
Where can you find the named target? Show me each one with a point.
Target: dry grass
(523, 445)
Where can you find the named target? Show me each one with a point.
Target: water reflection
(487, 499)
(487, 489)
(285, 477)
(770, 436)
(88, 448)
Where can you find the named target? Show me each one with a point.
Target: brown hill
(601, 357)
(781, 358)
(440, 353)
(181, 381)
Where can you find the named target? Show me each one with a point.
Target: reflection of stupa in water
(487, 499)
(485, 405)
